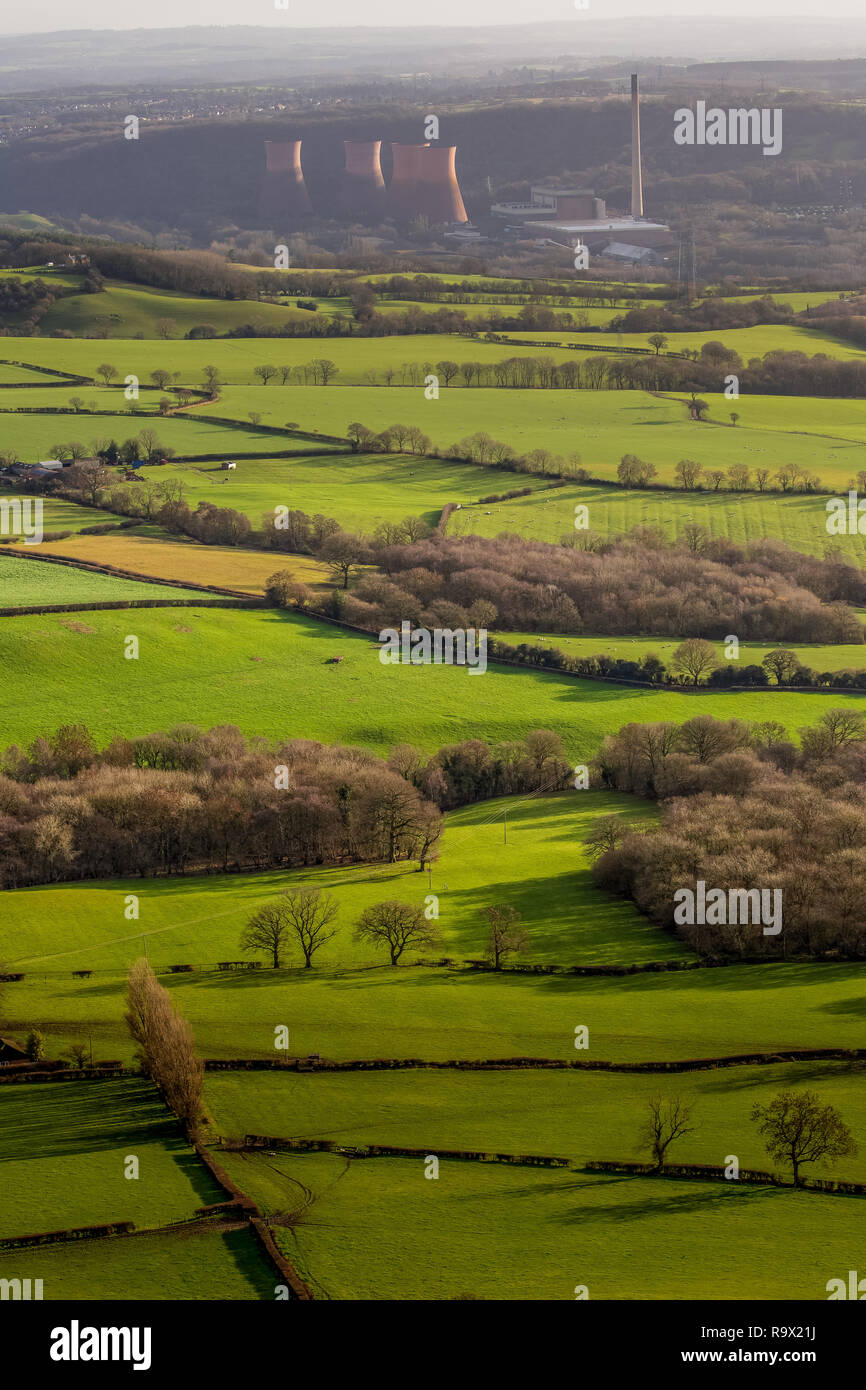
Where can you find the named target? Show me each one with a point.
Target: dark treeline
(186, 800)
(710, 313)
(196, 272)
(784, 671)
(23, 302)
(639, 582)
(744, 808)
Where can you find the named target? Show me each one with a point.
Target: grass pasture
(827, 658)
(63, 1153)
(60, 515)
(748, 342)
(544, 874)
(236, 357)
(136, 311)
(268, 673)
(581, 1115)
(32, 437)
(375, 1229)
(27, 583)
(798, 521)
(360, 490)
(179, 1265)
(439, 1013)
(600, 426)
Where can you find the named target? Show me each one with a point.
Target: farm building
(226, 465)
(11, 1052)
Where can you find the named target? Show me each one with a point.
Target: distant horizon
(44, 18)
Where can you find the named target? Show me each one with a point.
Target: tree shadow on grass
(52, 1120)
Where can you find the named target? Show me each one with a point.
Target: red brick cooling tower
(284, 193)
(362, 191)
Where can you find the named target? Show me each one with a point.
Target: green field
(134, 311)
(439, 1013)
(236, 357)
(544, 874)
(748, 342)
(360, 490)
(799, 521)
(26, 583)
(267, 672)
(580, 1115)
(832, 658)
(32, 437)
(599, 426)
(59, 515)
(63, 1152)
(375, 1229)
(174, 1266)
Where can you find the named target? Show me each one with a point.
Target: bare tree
(798, 1129)
(668, 1121)
(343, 551)
(505, 935)
(694, 657)
(395, 925)
(308, 914)
(266, 930)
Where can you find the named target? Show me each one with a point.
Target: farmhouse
(11, 1052)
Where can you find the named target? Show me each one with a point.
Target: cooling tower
(636, 179)
(404, 193)
(440, 199)
(362, 191)
(284, 193)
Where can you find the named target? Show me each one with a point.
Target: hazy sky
(45, 15)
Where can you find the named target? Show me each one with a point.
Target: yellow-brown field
(224, 566)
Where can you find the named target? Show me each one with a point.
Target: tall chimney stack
(636, 180)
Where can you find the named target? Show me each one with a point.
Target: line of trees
(695, 662)
(188, 800)
(304, 919)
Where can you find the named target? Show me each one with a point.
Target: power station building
(577, 215)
